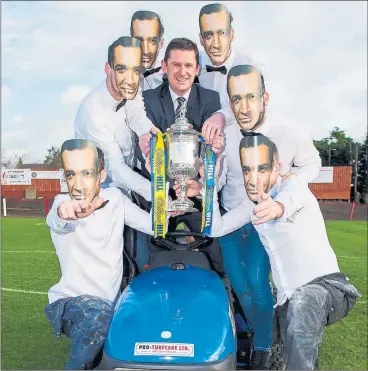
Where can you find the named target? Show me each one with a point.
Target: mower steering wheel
(170, 243)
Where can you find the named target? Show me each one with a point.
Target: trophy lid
(181, 121)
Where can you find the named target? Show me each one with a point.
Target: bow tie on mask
(221, 69)
(151, 72)
(248, 133)
(121, 104)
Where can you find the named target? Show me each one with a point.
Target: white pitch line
(29, 251)
(24, 291)
(352, 257)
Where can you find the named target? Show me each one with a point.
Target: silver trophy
(183, 158)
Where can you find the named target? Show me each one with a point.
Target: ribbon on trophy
(158, 184)
(209, 161)
(158, 154)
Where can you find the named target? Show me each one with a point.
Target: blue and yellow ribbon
(209, 161)
(158, 184)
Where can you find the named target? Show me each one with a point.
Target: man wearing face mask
(311, 290)
(114, 112)
(216, 37)
(147, 27)
(87, 227)
(243, 248)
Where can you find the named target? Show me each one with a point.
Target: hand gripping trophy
(177, 154)
(183, 157)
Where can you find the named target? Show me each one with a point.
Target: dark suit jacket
(202, 104)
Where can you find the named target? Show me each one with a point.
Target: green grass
(28, 341)
(344, 344)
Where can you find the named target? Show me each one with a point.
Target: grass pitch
(28, 263)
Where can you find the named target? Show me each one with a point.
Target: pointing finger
(259, 189)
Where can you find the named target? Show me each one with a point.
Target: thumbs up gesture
(267, 209)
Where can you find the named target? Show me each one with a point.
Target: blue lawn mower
(177, 315)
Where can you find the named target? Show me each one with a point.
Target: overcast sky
(313, 56)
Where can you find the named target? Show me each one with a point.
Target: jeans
(302, 318)
(85, 320)
(247, 267)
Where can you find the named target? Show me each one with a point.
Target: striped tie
(181, 101)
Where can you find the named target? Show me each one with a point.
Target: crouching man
(87, 228)
(311, 290)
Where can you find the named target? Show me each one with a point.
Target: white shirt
(154, 80)
(295, 147)
(98, 121)
(216, 80)
(90, 250)
(174, 97)
(297, 243)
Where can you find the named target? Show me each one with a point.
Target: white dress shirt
(98, 121)
(295, 147)
(216, 80)
(154, 80)
(90, 250)
(174, 97)
(297, 243)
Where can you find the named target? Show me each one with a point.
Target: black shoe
(261, 360)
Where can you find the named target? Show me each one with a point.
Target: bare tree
(14, 161)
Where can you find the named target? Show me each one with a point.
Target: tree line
(338, 149)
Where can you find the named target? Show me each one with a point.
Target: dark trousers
(194, 221)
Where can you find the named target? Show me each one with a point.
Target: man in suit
(181, 64)
(163, 104)
(201, 102)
